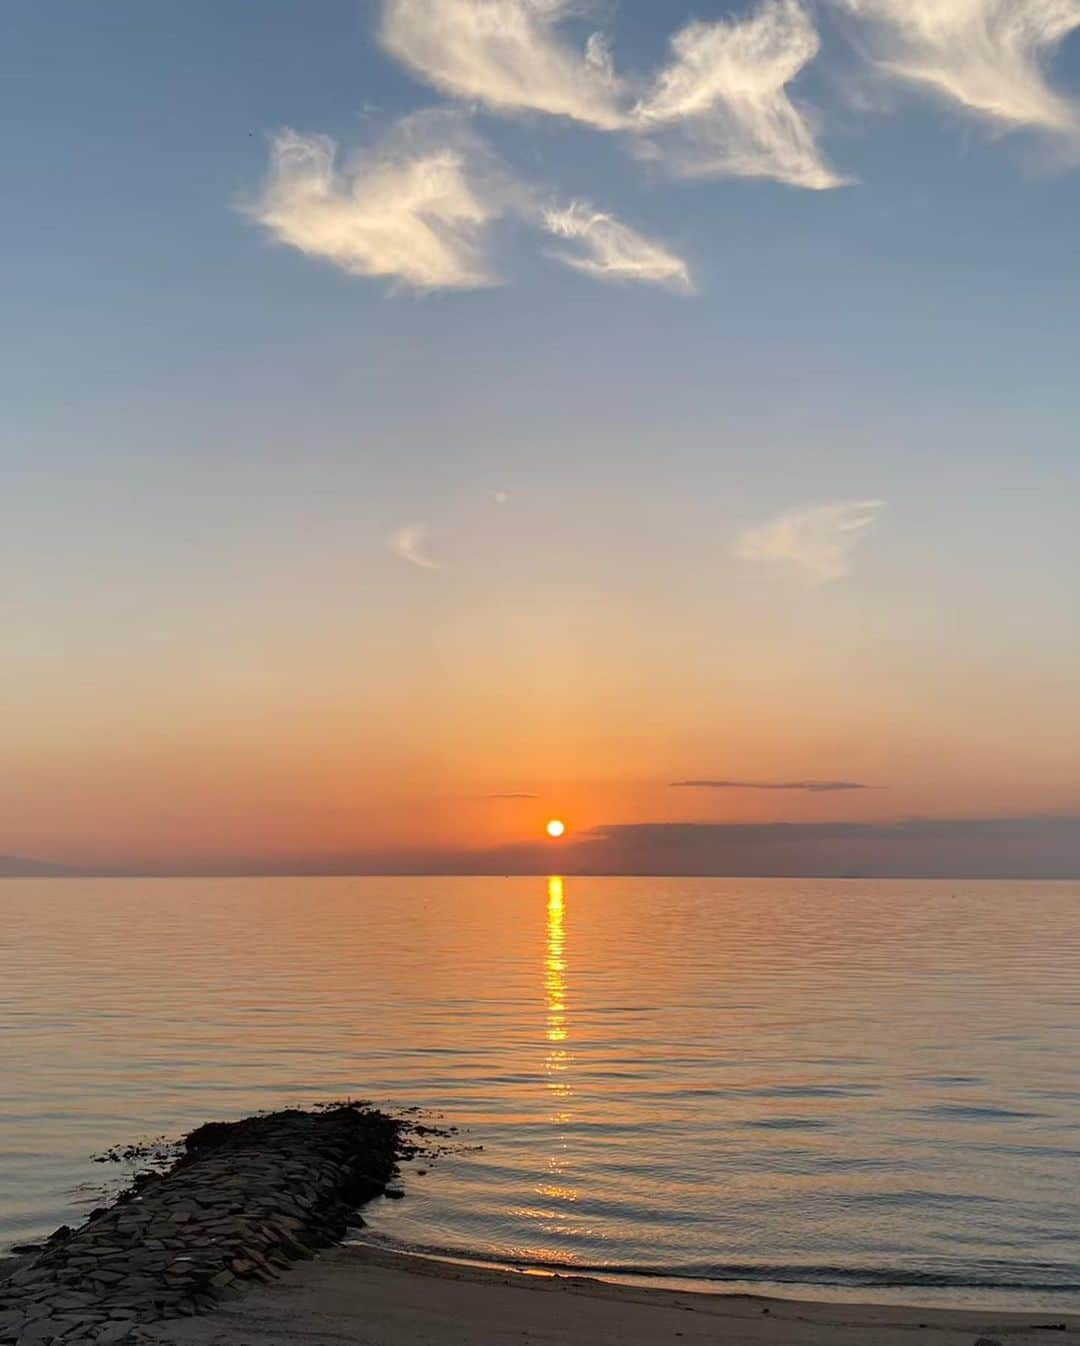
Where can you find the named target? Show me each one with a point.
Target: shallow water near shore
(849, 1087)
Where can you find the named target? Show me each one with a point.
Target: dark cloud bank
(1018, 848)
(1030, 847)
(810, 786)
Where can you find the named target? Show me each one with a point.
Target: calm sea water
(861, 1086)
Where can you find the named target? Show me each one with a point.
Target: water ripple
(785, 1082)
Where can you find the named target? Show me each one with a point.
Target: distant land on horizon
(15, 867)
(1036, 847)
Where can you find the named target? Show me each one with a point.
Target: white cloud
(608, 250)
(416, 209)
(987, 55)
(818, 539)
(410, 543)
(724, 96)
(507, 54)
(719, 109)
(419, 207)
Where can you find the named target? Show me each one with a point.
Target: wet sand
(375, 1298)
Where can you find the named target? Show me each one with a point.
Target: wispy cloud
(725, 97)
(419, 207)
(987, 55)
(818, 539)
(415, 209)
(810, 786)
(609, 250)
(720, 108)
(507, 54)
(410, 543)
(512, 796)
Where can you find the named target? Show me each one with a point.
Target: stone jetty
(243, 1201)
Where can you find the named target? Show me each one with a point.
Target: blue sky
(214, 438)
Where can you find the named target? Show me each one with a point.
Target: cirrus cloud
(606, 249)
(415, 209)
(507, 54)
(724, 103)
(720, 108)
(817, 539)
(410, 543)
(988, 56)
(419, 208)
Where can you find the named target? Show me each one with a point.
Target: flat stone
(38, 1333)
(65, 1322)
(113, 1334)
(26, 1276)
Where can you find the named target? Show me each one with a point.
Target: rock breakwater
(244, 1200)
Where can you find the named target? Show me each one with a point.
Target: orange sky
(330, 510)
(367, 745)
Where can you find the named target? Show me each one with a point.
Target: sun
(555, 827)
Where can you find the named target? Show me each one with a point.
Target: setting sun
(555, 828)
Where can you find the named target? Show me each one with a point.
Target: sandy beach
(375, 1298)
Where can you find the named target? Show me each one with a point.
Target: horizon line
(1072, 876)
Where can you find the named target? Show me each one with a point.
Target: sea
(827, 1088)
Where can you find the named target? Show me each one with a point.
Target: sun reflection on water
(555, 973)
(555, 1187)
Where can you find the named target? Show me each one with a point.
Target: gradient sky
(596, 423)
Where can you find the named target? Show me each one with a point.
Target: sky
(427, 417)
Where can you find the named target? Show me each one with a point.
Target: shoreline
(360, 1293)
(982, 1298)
(242, 1241)
(1045, 1318)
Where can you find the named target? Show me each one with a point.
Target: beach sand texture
(375, 1298)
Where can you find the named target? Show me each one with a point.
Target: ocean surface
(854, 1088)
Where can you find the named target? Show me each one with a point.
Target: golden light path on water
(557, 1188)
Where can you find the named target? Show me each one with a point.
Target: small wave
(1029, 1277)
(974, 1113)
(809, 1091)
(789, 1124)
